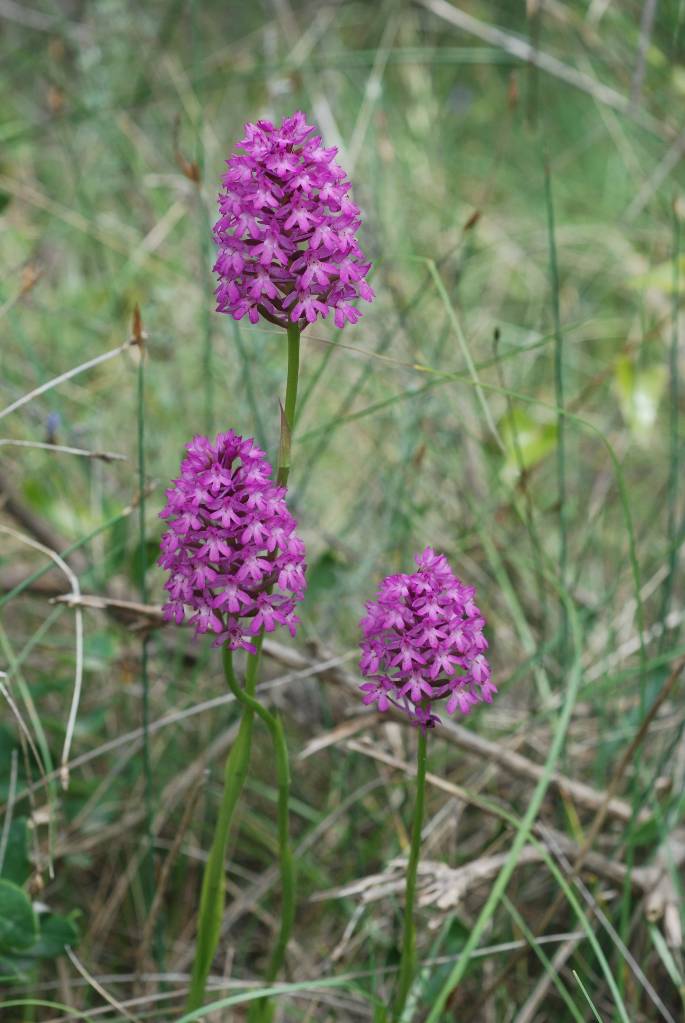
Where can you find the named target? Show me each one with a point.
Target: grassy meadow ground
(510, 398)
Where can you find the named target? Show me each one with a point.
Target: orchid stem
(288, 417)
(408, 961)
(148, 862)
(213, 895)
(260, 1010)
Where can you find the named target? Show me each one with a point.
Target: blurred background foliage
(434, 421)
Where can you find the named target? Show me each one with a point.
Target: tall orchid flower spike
(236, 570)
(287, 253)
(423, 645)
(288, 250)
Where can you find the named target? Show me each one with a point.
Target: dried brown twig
(140, 616)
(662, 879)
(653, 881)
(529, 54)
(63, 449)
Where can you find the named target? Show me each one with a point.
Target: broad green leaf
(16, 866)
(11, 971)
(646, 834)
(18, 924)
(639, 393)
(324, 574)
(526, 441)
(37, 495)
(55, 932)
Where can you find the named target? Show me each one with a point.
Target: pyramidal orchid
(288, 250)
(422, 646)
(287, 242)
(287, 254)
(235, 562)
(236, 570)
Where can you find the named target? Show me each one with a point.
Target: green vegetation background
(524, 226)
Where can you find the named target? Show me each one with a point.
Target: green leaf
(19, 963)
(18, 924)
(151, 555)
(453, 939)
(647, 834)
(666, 956)
(639, 393)
(323, 576)
(526, 441)
(16, 865)
(659, 277)
(8, 744)
(99, 648)
(37, 494)
(55, 932)
(11, 971)
(116, 548)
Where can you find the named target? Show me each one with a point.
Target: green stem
(288, 418)
(213, 893)
(260, 1010)
(560, 408)
(148, 862)
(674, 467)
(408, 962)
(213, 883)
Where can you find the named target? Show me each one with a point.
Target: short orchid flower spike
(287, 229)
(236, 565)
(423, 643)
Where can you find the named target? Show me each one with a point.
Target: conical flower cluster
(423, 643)
(235, 561)
(288, 250)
